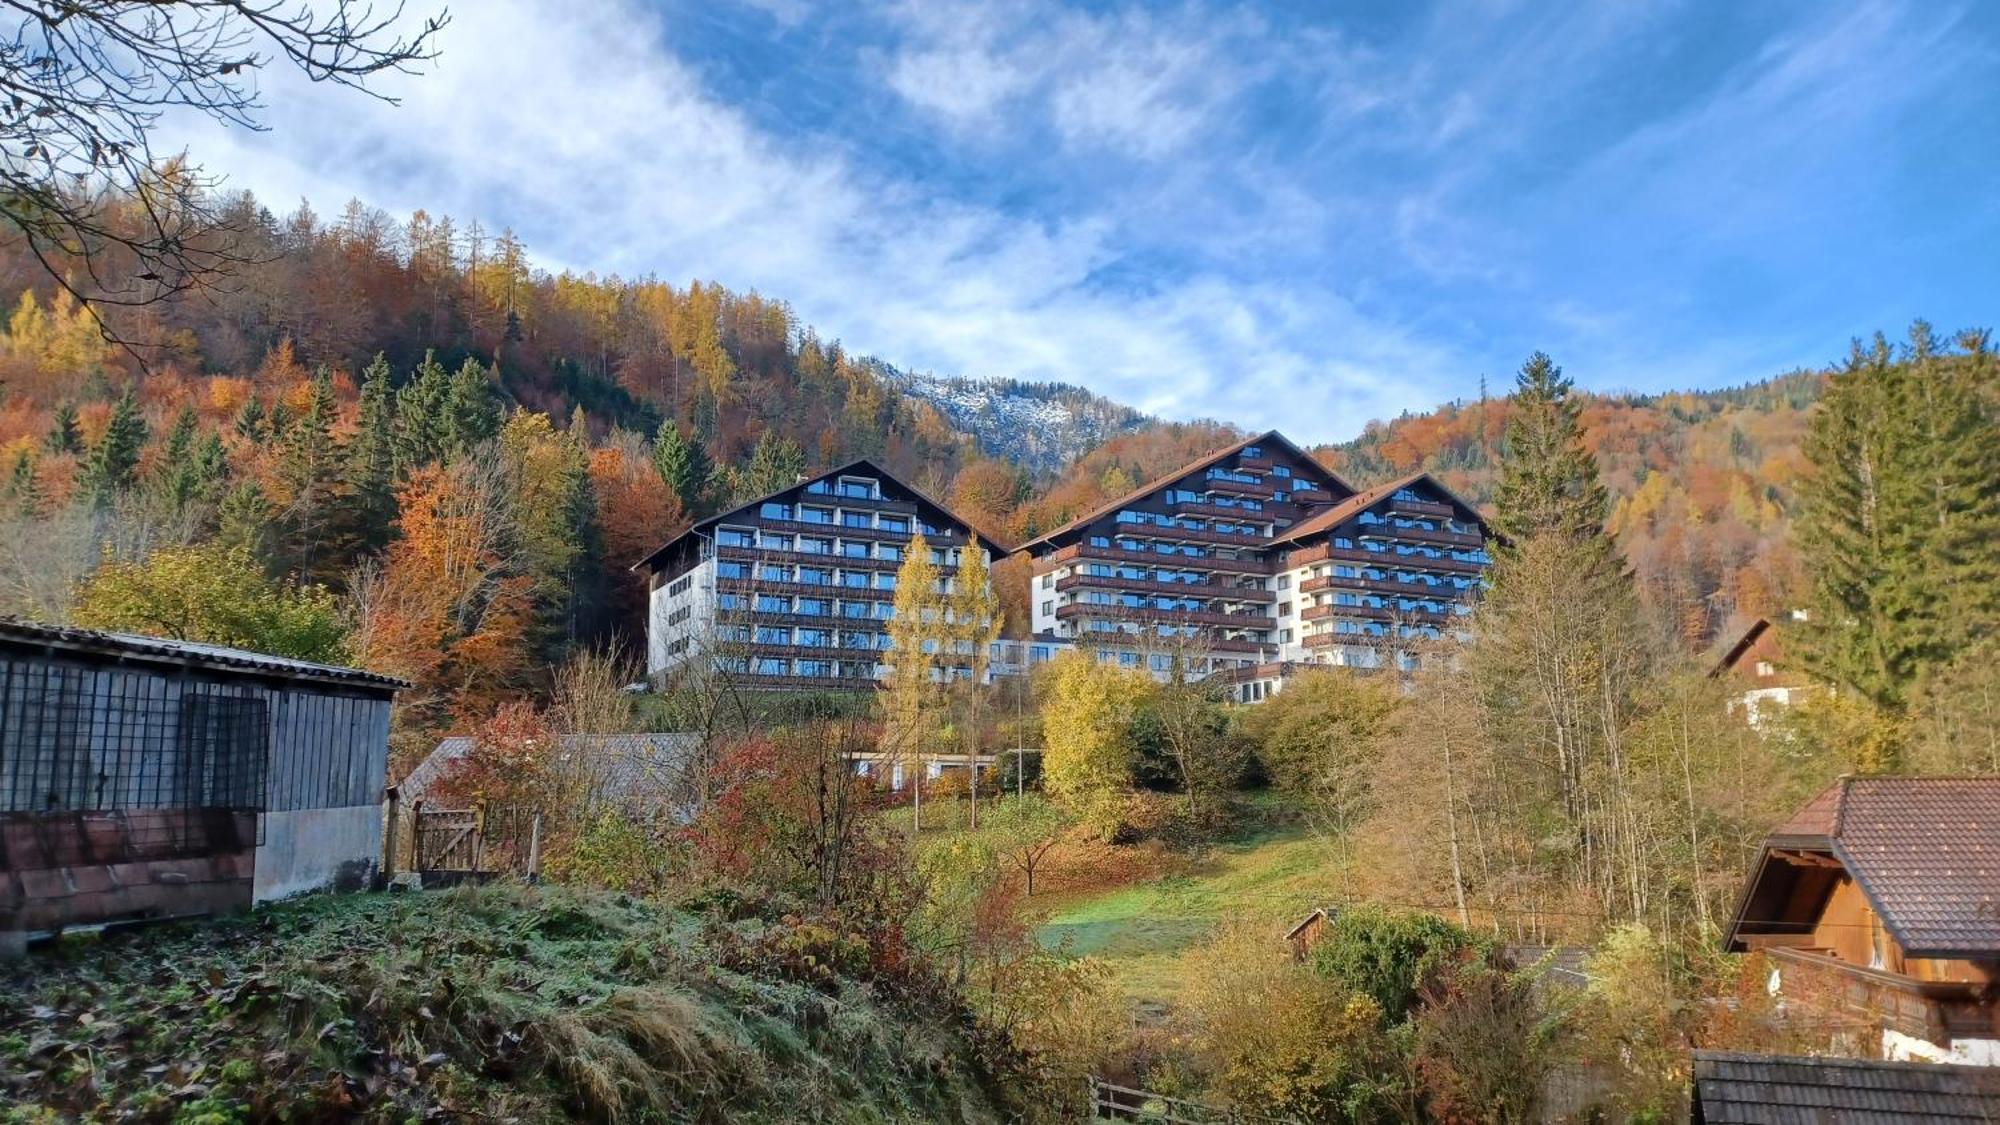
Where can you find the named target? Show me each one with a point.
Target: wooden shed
(147, 778)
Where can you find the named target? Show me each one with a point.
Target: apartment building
(796, 589)
(1254, 561)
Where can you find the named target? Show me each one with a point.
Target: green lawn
(1144, 931)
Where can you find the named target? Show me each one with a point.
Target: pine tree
(1548, 480)
(310, 467)
(116, 456)
(471, 411)
(24, 489)
(371, 459)
(64, 434)
(1898, 530)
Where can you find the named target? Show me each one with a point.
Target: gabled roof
(1362, 501)
(859, 467)
(1925, 851)
(1733, 1088)
(625, 763)
(131, 647)
(1194, 466)
(1743, 645)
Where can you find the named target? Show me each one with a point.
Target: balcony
(1418, 535)
(803, 683)
(1154, 558)
(1260, 489)
(1193, 535)
(838, 531)
(1380, 586)
(1270, 512)
(1371, 613)
(1327, 552)
(752, 586)
(756, 649)
(1147, 586)
(1255, 464)
(858, 503)
(1431, 508)
(1076, 610)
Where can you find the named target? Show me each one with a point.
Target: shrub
(1390, 956)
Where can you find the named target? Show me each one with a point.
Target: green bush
(1390, 956)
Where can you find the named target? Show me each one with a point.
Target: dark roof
(1743, 1089)
(1194, 466)
(186, 654)
(1925, 850)
(1362, 501)
(626, 764)
(1735, 654)
(862, 465)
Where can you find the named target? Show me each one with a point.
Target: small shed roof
(1732, 1088)
(628, 761)
(1925, 850)
(121, 647)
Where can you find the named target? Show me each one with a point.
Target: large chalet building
(1254, 561)
(796, 589)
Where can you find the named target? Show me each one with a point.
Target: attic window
(1764, 668)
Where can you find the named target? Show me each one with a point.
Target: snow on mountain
(1043, 426)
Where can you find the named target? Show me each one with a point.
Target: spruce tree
(683, 464)
(1898, 530)
(24, 489)
(177, 478)
(471, 411)
(371, 459)
(421, 416)
(245, 521)
(1548, 480)
(116, 456)
(310, 466)
(64, 434)
(775, 463)
(249, 422)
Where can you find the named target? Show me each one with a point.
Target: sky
(1298, 216)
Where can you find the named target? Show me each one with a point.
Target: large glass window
(771, 603)
(813, 607)
(772, 510)
(816, 515)
(894, 523)
(735, 537)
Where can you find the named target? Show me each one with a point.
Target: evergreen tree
(471, 411)
(250, 423)
(775, 463)
(24, 489)
(116, 456)
(1899, 532)
(1548, 480)
(371, 459)
(421, 413)
(64, 434)
(310, 467)
(245, 522)
(683, 464)
(177, 479)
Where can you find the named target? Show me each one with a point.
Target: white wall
(698, 598)
(315, 849)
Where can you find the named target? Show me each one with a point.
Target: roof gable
(1362, 501)
(1206, 460)
(1924, 850)
(859, 467)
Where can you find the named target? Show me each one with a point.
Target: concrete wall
(318, 849)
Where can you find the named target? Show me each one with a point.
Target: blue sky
(1299, 216)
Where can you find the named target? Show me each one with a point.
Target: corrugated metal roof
(1732, 1088)
(628, 762)
(131, 646)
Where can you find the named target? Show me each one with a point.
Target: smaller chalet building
(796, 589)
(1879, 905)
(145, 778)
(1755, 665)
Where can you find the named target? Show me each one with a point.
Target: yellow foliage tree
(1087, 720)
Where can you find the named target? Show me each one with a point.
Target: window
(858, 489)
(1048, 581)
(881, 611)
(1284, 581)
(816, 668)
(854, 609)
(731, 570)
(1048, 609)
(854, 579)
(885, 581)
(856, 519)
(815, 576)
(770, 572)
(816, 515)
(734, 537)
(894, 523)
(729, 601)
(769, 603)
(815, 638)
(1100, 541)
(818, 488)
(1128, 660)
(1284, 609)
(770, 541)
(774, 635)
(853, 549)
(813, 545)
(813, 607)
(1280, 471)
(774, 511)
(888, 552)
(1764, 668)
(769, 666)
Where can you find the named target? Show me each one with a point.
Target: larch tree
(975, 625)
(917, 643)
(1088, 751)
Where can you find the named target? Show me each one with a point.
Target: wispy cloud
(1201, 210)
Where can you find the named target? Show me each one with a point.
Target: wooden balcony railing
(1154, 558)
(1077, 610)
(1184, 589)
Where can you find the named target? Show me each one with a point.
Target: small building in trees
(795, 590)
(1878, 906)
(146, 778)
(1756, 663)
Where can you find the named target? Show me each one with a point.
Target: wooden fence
(485, 839)
(1110, 1101)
